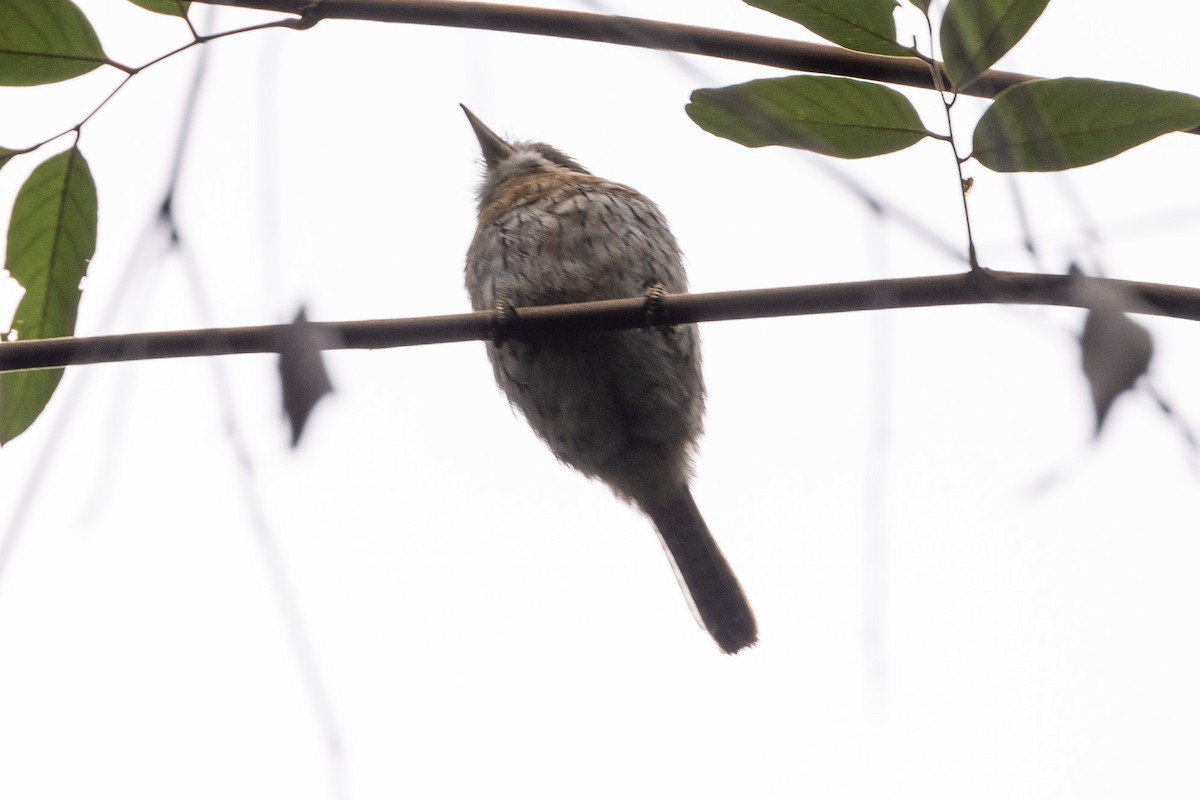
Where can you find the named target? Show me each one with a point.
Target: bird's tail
(715, 593)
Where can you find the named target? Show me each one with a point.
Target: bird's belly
(611, 403)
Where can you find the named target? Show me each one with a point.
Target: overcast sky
(958, 594)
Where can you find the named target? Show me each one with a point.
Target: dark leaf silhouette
(1116, 350)
(302, 372)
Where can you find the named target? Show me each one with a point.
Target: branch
(979, 286)
(767, 50)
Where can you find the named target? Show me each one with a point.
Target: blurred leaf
(5, 155)
(1116, 350)
(51, 239)
(976, 33)
(302, 372)
(921, 4)
(45, 41)
(1049, 125)
(863, 25)
(175, 8)
(833, 116)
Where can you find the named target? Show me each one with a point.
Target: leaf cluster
(1037, 126)
(52, 229)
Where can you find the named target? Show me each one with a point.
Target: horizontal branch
(634, 32)
(978, 286)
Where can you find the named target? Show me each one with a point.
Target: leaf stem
(949, 97)
(963, 185)
(130, 72)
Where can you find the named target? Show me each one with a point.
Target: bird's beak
(494, 148)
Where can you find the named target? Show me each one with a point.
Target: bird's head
(504, 160)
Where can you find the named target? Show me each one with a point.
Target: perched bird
(623, 406)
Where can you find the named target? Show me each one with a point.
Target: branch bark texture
(979, 286)
(634, 32)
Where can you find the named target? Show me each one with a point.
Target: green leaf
(45, 41)
(921, 4)
(175, 8)
(976, 33)
(833, 116)
(51, 239)
(6, 155)
(1050, 125)
(863, 25)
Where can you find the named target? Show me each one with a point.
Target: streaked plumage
(625, 406)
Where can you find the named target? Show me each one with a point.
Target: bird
(625, 407)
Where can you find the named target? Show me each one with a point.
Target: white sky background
(938, 618)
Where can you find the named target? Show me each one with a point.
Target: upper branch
(767, 50)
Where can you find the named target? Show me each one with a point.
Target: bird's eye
(560, 158)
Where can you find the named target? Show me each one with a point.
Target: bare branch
(980, 286)
(634, 32)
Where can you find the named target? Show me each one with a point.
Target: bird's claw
(504, 315)
(653, 308)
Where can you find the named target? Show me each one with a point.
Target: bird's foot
(504, 316)
(654, 309)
